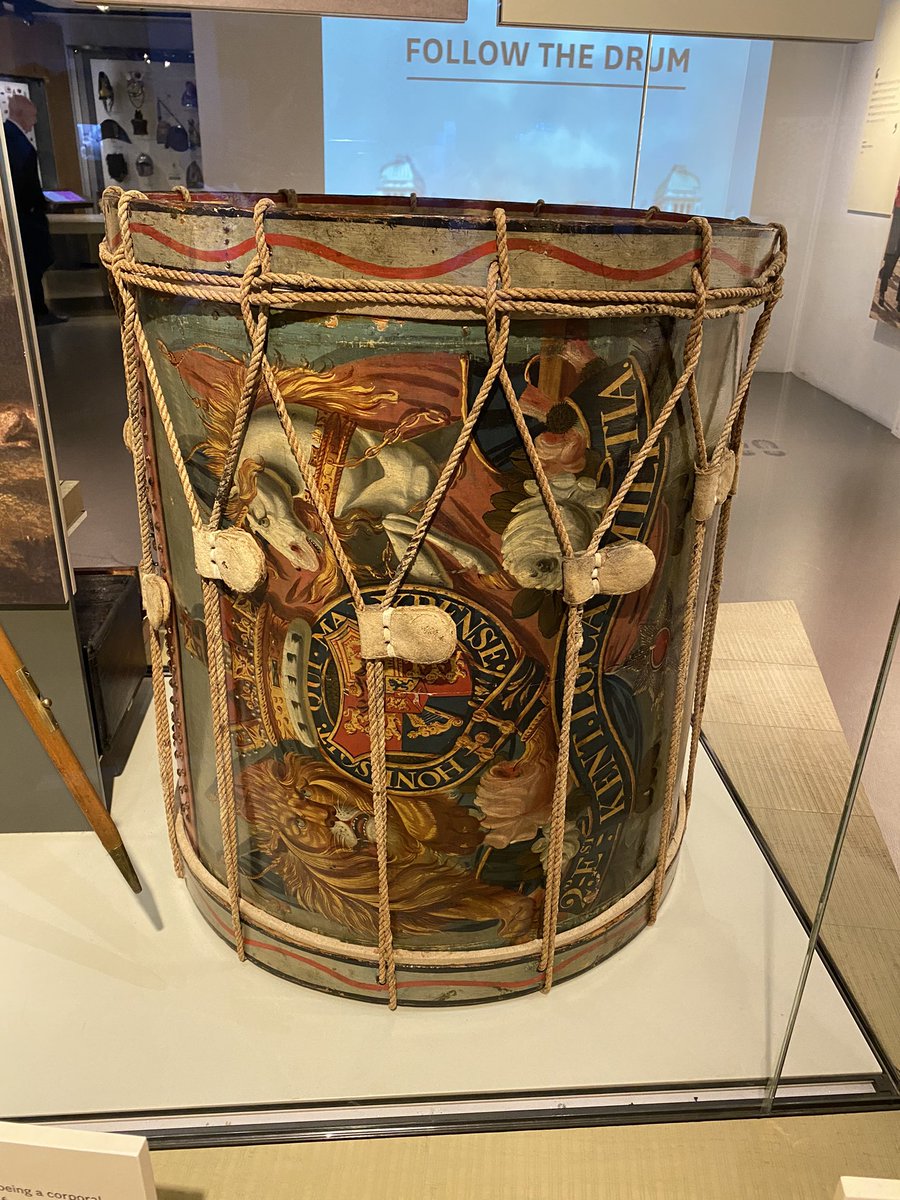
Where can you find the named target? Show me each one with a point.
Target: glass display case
(550, 251)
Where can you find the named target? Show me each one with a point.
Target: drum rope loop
(133, 435)
(256, 293)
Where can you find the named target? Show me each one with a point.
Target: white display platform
(113, 1003)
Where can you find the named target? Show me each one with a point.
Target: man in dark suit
(31, 206)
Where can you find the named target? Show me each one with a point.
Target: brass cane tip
(119, 855)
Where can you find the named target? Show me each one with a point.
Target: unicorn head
(263, 501)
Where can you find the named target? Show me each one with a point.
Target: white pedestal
(120, 1004)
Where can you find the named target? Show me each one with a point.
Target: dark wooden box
(110, 625)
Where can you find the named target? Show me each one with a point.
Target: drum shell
(468, 824)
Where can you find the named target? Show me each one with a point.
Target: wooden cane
(38, 713)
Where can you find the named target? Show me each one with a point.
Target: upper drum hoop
(433, 508)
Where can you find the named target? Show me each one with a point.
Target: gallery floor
(771, 722)
(800, 1158)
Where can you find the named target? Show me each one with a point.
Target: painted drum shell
(377, 394)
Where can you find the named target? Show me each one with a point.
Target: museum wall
(815, 105)
(838, 346)
(802, 105)
(259, 79)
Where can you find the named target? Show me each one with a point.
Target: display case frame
(483, 1110)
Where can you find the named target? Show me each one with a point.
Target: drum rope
(692, 348)
(573, 636)
(515, 408)
(375, 667)
(212, 617)
(259, 290)
(498, 340)
(557, 830)
(730, 437)
(148, 566)
(215, 657)
(555, 304)
(375, 683)
(258, 333)
(711, 607)
(375, 674)
(573, 641)
(285, 291)
(135, 337)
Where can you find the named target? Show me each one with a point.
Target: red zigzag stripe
(432, 270)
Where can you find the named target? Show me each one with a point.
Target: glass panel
(702, 121)
(814, 562)
(473, 110)
(858, 910)
(32, 558)
(695, 1005)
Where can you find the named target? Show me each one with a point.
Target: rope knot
(491, 315)
(615, 570)
(419, 633)
(263, 252)
(125, 249)
(502, 246)
(712, 484)
(157, 599)
(232, 555)
(705, 259)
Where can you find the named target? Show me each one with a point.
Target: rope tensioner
(421, 634)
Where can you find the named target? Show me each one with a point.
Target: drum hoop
(306, 939)
(307, 291)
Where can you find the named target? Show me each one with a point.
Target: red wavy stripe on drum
(432, 270)
(348, 981)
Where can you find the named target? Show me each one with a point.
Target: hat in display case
(143, 164)
(177, 138)
(162, 125)
(134, 88)
(111, 129)
(194, 176)
(400, 178)
(117, 166)
(189, 95)
(679, 192)
(106, 93)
